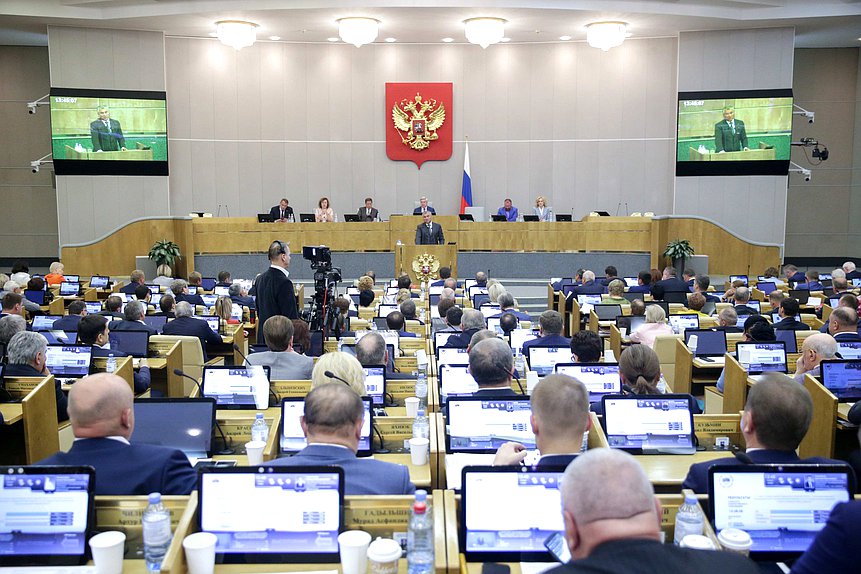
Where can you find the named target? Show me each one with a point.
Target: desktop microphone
(271, 392)
(332, 375)
(226, 449)
(516, 378)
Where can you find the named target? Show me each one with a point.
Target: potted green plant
(678, 250)
(164, 252)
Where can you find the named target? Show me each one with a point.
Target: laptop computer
(599, 378)
(307, 218)
(375, 383)
(843, 378)
(293, 438)
(734, 278)
(649, 424)
(221, 291)
(47, 514)
(766, 286)
(272, 514)
(563, 217)
(761, 357)
(664, 305)
(455, 380)
(497, 217)
(589, 299)
(265, 218)
(629, 323)
(214, 321)
(69, 289)
(72, 278)
(44, 322)
(36, 296)
(709, 343)
(680, 323)
(134, 343)
(789, 339)
(208, 283)
(675, 297)
(155, 288)
(209, 300)
(440, 338)
(489, 309)
(181, 423)
(452, 356)
(93, 307)
(542, 359)
(531, 218)
(782, 507)
(192, 289)
(69, 362)
(352, 217)
(776, 318)
(384, 310)
(237, 387)
(849, 349)
(517, 337)
(483, 424)
(465, 217)
(157, 322)
(607, 312)
(488, 533)
(709, 308)
(99, 281)
(755, 305)
(479, 299)
(381, 323)
(801, 295)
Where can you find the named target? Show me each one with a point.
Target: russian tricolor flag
(466, 188)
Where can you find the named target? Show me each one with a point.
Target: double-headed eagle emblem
(426, 267)
(418, 120)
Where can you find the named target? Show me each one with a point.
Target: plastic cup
(384, 554)
(419, 450)
(735, 540)
(354, 551)
(254, 451)
(108, 549)
(697, 542)
(412, 404)
(200, 552)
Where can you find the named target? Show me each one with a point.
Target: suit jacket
(790, 324)
(853, 275)
(462, 339)
(363, 213)
(135, 469)
(800, 277)
(589, 288)
(726, 140)
(835, 548)
(67, 323)
(107, 138)
(546, 341)
(191, 327)
(123, 325)
(642, 556)
(192, 299)
(847, 337)
(640, 289)
(129, 288)
(285, 366)
(243, 301)
(812, 286)
(275, 296)
(496, 393)
(509, 215)
(14, 370)
(110, 315)
(142, 377)
(557, 460)
(545, 215)
(698, 475)
(275, 214)
(418, 210)
(361, 475)
(744, 310)
(671, 285)
(432, 236)
(521, 316)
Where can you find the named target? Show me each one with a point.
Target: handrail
(111, 232)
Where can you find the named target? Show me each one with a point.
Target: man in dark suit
(613, 523)
(281, 212)
(395, 322)
(185, 324)
(113, 304)
(788, 311)
(843, 325)
(275, 295)
(332, 425)
(101, 410)
(589, 285)
(549, 333)
(669, 283)
(730, 134)
(93, 330)
(27, 357)
(107, 134)
(491, 364)
(423, 206)
(136, 278)
(77, 310)
(179, 288)
(793, 275)
(560, 416)
(835, 548)
(369, 212)
(811, 281)
(741, 297)
(775, 419)
(133, 320)
(701, 285)
(506, 305)
(586, 347)
(240, 296)
(644, 283)
(429, 233)
(851, 271)
(728, 321)
(371, 350)
(167, 306)
(471, 322)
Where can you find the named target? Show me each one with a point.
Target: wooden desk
(38, 437)
(12, 412)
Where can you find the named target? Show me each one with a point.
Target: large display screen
(745, 132)
(108, 132)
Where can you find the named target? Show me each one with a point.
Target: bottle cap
(421, 412)
(154, 497)
(691, 499)
(421, 495)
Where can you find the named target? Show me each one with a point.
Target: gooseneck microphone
(332, 375)
(226, 449)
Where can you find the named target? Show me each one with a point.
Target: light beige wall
(823, 214)
(28, 202)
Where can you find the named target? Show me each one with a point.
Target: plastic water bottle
(424, 292)
(421, 425)
(259, 430)
(689, 519)
(420, 537)
(422, 314)
(520, 364)
(422, 389)
(111, 365)
(156, 532)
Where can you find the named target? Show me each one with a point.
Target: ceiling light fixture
(564, 38)
(448, 40)
(333, 39)
(274, 38)
(505, 40)
(236, 33)
(390, 40)
(484, 31)
(358, 31)
(606, 35)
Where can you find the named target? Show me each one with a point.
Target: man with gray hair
(27, 356)
(13, 287)
(185, 324)
(815, 349)
(843, 325)
(408, 309)
(491, 364)
(728, 320)
(133, 319)
(9, 326)
(507, 304)
(371, 350)
(741, 296)
(613, 523)
(851, 271)
(549, 333)
(179, 288)
(240, 296)
(471, 323)
(589, 285)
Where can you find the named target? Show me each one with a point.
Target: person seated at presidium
(428, 232)
(101, 410)
(369, 212)
(423, 206)
(27, 354)
(323, 213)
(655, 325)
(508, 210)
(284, 362)
(543, 212)
(332, 423)
(281, 212)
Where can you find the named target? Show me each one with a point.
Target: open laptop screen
(135, 343)
(273, 514)
(766, 286)
(842, 378)
(99, 281)
(67, 288)
(293, 439)
(44, 322)
(456, 380)
(452, 356)
(72, 361)
(734, 278)
(849, 349)
(649, 423)
(236, 387)
(384, 310)
(490, 532)
(759, 357)
(788, 338)
(46, 513)
(440, 338)
(708, 343)
(680, 323)
(599, 378)
(478, 424)
(542, 359)
(181, 423)
(214, 321)
(375, 383)
(157, 322)
(589, 299)
(781, 507)
(517, 337)
(221, 291)
(607, 312)
(93, 307)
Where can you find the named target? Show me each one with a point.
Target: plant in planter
(164, 252)
(678, 250)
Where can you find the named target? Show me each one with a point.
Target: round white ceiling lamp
(358, 31)
(606, 35)
(485, 31)
(237, 34)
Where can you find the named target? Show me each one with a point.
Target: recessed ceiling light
(333, 39)
(564, 38)
(214, 34)
(274, 38)
(447, 40)
(505, 40)
(390, 40)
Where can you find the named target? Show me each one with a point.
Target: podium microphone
(226, 449)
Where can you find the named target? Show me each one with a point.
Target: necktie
(107, 125)
(282, 214)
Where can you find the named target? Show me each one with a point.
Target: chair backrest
(192, 355)
(41, 434)
(665, 348)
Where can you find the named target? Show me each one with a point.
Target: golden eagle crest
(417, 121)
(426, 266)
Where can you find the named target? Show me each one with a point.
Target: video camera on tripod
(323, 314)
